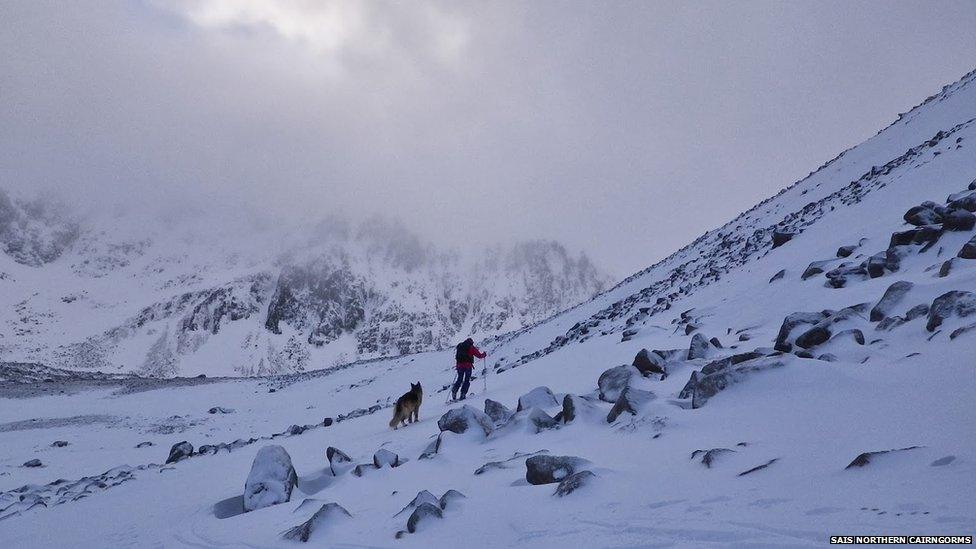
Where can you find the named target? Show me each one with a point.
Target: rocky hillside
(185, 299)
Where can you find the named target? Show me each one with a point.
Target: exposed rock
(866, 457)
(962, 330)
(828, 357)
(327, 514)
(953, 303)
(421, 498)
(576, 406)
(449, 497)
(699, 347)
(723, 363)
(648, 363)
(702, 387)
(60, 443)
(545, 469)
(180, 450)
(781, 237)
(220, 410)
(541, 421)
(573, 482)
(709, 456)
(631, 401)
(327, 422)
(758, 467)
(497, 411)
(922, 215)
(846, 251)
(271, 479)
(33, 463)
(460, 420)
(959, 220)
(890, 323)
(144, 444)
(492, 465)
(540, 397)
(917, 311)
(615, 380)
(814, 269)
(968, 251)
(432, 448)
(813, 337)
(790, 323)
(779, 274)
(385, 458)
(423, 513)
(339, 462)
(295, 430)
(891, 298)
(965, 200)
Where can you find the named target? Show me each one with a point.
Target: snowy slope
(824, 355)
(218, 294)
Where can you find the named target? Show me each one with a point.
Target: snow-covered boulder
(541, 421)
(422, 497)
(424, 512)
(544, 469)
(573, 483)
(955, 303)
(922, 215)
(497, 411)
(575, 407)
(339, 461)
(461, 420)
(327, 514)
(968, 251)
(385, 458)
(699, 347)
(867, 458)
(708, 457)
(959, 220)
(450, 498)
(615, 380)
(631, 401)
(648, 363)
(891, 298)
(701, 387)
(540, 397)
(271, 479)
(180, 450)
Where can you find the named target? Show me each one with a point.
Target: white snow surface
(808, 418)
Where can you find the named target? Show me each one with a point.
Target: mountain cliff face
(176, 302)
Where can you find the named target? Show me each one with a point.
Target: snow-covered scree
(806, 370)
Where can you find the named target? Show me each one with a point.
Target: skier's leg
(466, 374)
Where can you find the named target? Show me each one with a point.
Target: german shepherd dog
(408, 406)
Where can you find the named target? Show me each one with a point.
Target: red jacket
(475, 353)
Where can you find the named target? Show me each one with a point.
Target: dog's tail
(396, 415)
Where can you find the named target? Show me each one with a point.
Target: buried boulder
(701, 387)
(866, 458)
(545, 469)
(424, 512)
(497, 411)
(573, 483)
(631, 401)
(385, 458)
(541, 421)
(648, 363)
(700, 347)
(540, 397)
(613, 381)
(180, 451)
(954, 303)
(327, 514)
(465, 419)
(422, 497)
(892, 297)
(710, 456)
(271, 480)
(339, 462)
(575, 406)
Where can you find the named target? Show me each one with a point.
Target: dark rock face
(781, 237)
(865, 458)
(59, 443)
(965, 200)
(576, 406)
(336, 459)
(460, 420)
(271, 480)
(954, 303)
(631, 401)
(710, 456)
(648, 363)
(574, 482)
(449, 498)
(917, 311)
(699, 347)
(813, 337)
(846, 251)
(180, 450)
(33, 464)
(613, 381)
(758, 467)
(220, 410)
(540, 397)
(814, 269)
(144, 444)
(968, 251)
(779, 274)
(497, 411)
(959, 220)
(423, 513)
(890, 323)
(326, 514)
(855, 334)
(549, 469)
(891, 298)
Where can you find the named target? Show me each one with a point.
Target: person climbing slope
(465, 355)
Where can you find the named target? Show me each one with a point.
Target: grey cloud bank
(621, 129)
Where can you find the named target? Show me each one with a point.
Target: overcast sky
(624, 129)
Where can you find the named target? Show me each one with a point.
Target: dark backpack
(463, 353)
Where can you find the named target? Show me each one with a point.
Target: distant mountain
(188, 297)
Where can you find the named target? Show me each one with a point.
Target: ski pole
(451, 386)
(484, 372)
